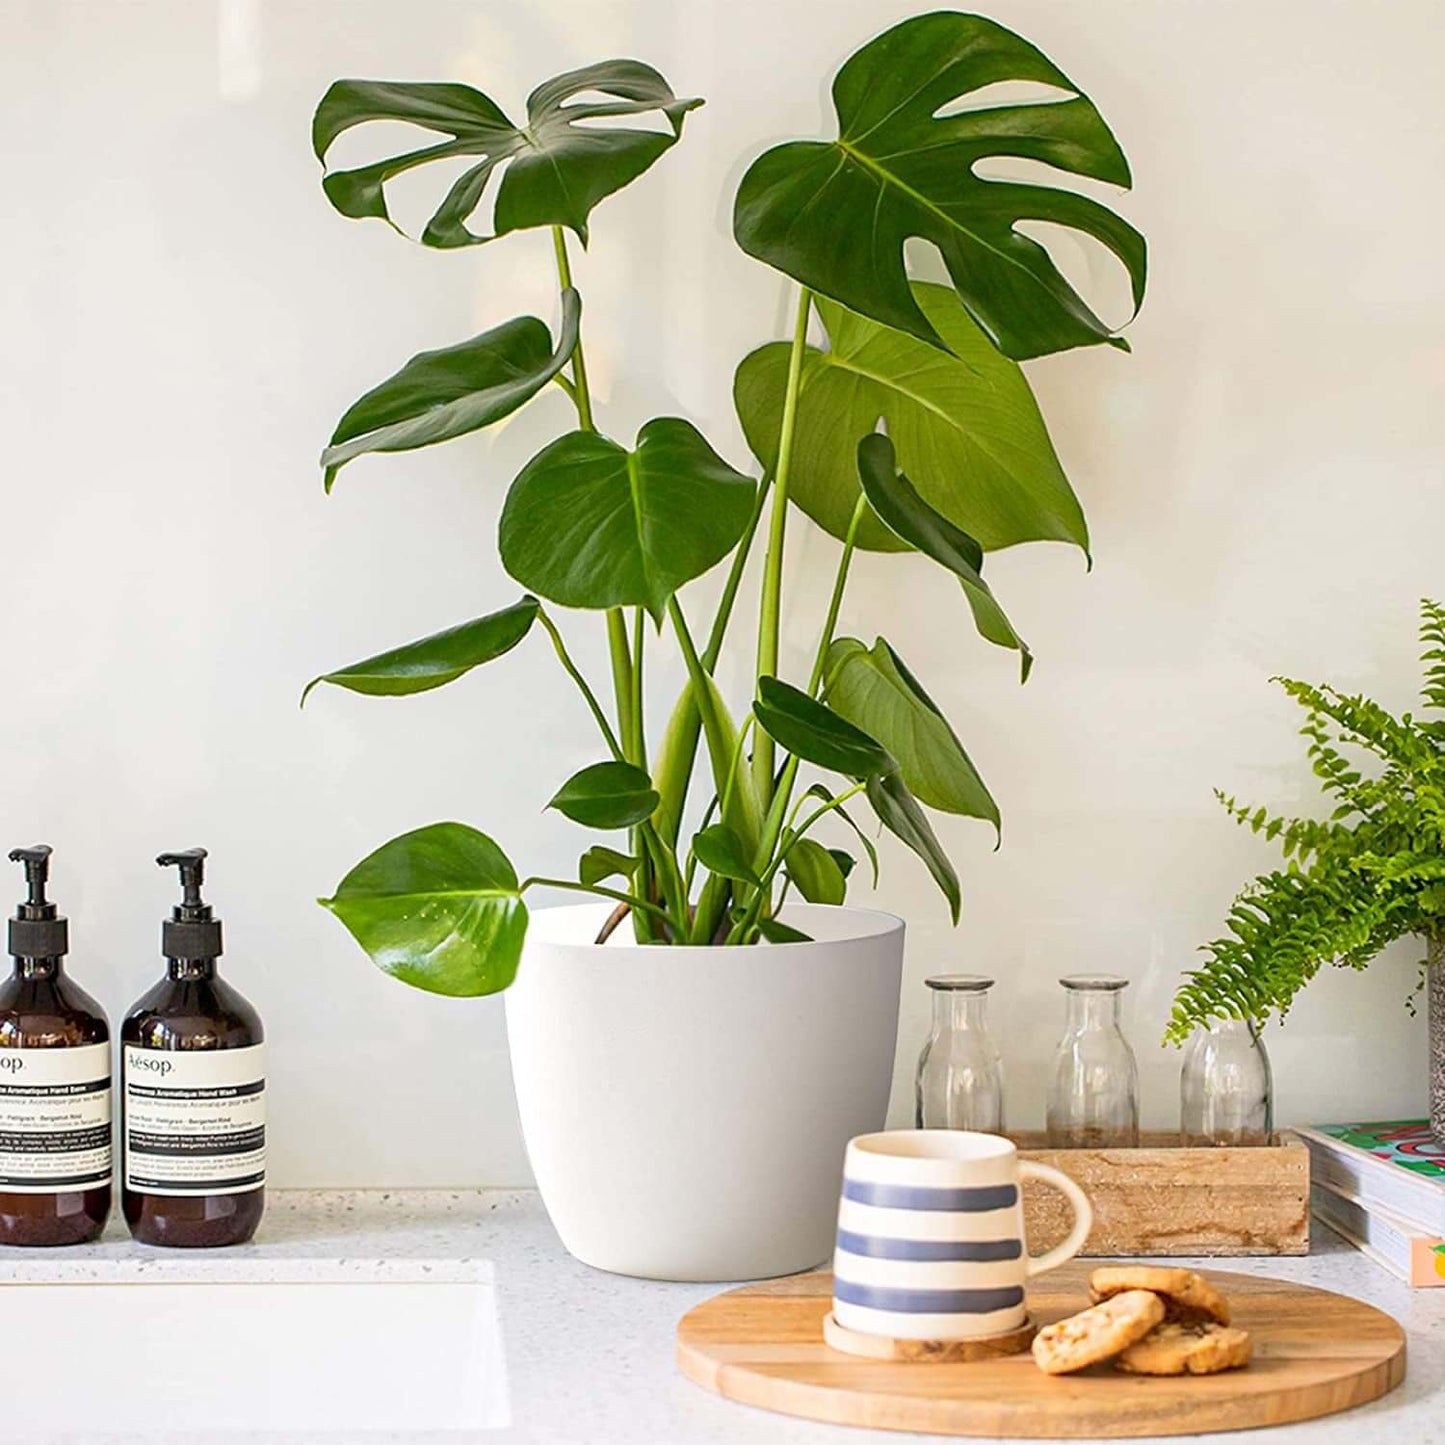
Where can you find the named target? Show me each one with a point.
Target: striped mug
(931, 1235)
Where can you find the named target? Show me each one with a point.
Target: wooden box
(1165, 1199)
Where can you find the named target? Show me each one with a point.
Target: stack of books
(1382, 1186)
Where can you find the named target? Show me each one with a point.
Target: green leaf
(436, 660)
(776, 932)
(721, 851)
(590, 524)
(815, 872)
(558, 170)
(607, 795)
(835, 215)
(846, 862)
(894, 498)
(599, 863)
(965, 423)
(874, 689)
(899, 812)
(443, 394)
(438, 908)
(672, 768)
(815, 733)
(819, 791)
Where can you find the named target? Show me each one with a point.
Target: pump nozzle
(192, 863)
(37, 871)
(190, 932)
(37, 931)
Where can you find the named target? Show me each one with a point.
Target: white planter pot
(686, 1109)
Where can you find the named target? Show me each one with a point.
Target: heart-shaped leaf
(438, 908)
(558, 169)
(607, 795)
(436, 660)
(598, 864)
(588, 523)
(874, 689)
(895, 499)
(835, 215)
(720, 851)
(899, 812)
(846, 862)
(815, 872)
(816, 734)
(443, 394)
(964, 421)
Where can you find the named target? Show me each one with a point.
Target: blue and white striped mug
(931, 1235)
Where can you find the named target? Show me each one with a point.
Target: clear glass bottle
(1094, 1092)
(960, 1072)
(1226, 1088)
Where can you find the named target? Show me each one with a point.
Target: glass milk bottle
(1094, 1092)
(960, 1073)
(1226, 1088)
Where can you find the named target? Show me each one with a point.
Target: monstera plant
(896, 418)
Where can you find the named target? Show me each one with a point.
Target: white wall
(183, 318)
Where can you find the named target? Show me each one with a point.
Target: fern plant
(1372, 872)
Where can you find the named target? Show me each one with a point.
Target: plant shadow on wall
(1372, 872)
(912, 430)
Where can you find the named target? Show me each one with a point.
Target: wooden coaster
(944, 1352)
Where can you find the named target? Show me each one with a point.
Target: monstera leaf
(965, 424)
(588, 523)
(873, 688)
(443, 394)
(436, 660)
(438, 908)
(816, 734)
(835, 215)
(895, 499)
(558, 169)
(898, 811)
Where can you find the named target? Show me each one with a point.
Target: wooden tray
(1315, 1353)
(1165, 1199)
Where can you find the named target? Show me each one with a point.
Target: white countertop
(590, 1356)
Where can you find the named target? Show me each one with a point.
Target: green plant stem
(773, 823)
(581, 393)
(572, 670)
(723, 615)
(770, 611)
(749, 920)
(626, 686)
(636, 904)
(835, 602)
(637, 744)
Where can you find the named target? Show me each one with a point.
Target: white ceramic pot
(686, 1110)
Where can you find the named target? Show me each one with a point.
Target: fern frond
(1370, 873)
(1432, 652)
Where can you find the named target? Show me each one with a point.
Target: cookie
(1098, 1333)
(1200, 1348)
(1187, 1296)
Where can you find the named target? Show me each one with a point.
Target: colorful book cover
(1405, 1142)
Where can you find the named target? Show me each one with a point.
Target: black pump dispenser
(37, 930)
(190, 932)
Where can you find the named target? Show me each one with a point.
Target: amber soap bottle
(194, 1089)
(55, 1152)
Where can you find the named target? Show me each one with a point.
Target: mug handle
(1083, 1216)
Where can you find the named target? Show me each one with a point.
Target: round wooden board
(1315, 1353)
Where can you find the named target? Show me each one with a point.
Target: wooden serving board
(1315, 1353)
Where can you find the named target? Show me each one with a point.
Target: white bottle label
(195, 1120)
(54, 1119)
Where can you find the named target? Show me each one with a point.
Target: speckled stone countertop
(590, 1355)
